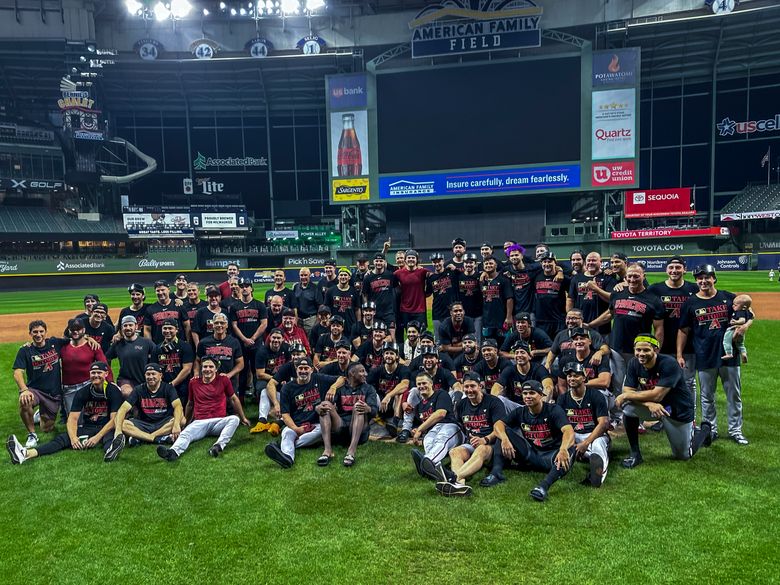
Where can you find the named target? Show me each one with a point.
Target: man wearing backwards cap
(206, 412)
(90, 300)
(90, 420)
(537, 436)
(133, 352)
(654, 388)
(160, 414)
(344, 300)
(705, 317)
(509, 387)
(458, 250)
(165, 308)
(97, 328)
(137, 307)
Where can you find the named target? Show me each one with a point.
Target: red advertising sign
(669, 233)
(613, 174)
(659, 203)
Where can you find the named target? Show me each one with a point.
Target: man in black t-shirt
(497, 302)
(654, 388)
(176, 358)
(537, 436)
(378, 287)
(279, 289)
(452, 330)
(550, 296)
(137, 307)
(563, 345)
(391, 380)
(90, 421)
(193, 302)
(98, 328)
(160, 414)
(325, 350)
(361, 332)
(442, 284)
(270, 357)
(470, 292)
(164, 308)
(133, 352)
(597, 372)
(343, 360)
(587, 411)
(202, 325)
(509, 387)
(491, 365)
(477, 415)
(468, 360)
(537, 340)
(248, 319)
(320, 328)
(521, 277)
(284, 374)
(226, 350)
(370, 352)
(583, 291)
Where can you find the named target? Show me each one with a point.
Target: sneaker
(164, 440)
(642, 430)
(404, 436)
(449, 489)
(632, 461)
(37, 417)
(739, 439)
(657, 427)
(391, 426)
(32, 441)
(596, 470)
(539, 493)
(15, 450)
(133, 442)
(215, 450)
(706, 428)
(166, 453)
(274, 452)
(492, 479)
(417, 458)
(114, 449)
(431, 470)
(260, 427)
(274, 429)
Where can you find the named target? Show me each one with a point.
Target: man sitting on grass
(90, 420)
(206, 413)
(160, 415)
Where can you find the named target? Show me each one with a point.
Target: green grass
(70, 518)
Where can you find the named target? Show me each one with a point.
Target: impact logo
(728, 127)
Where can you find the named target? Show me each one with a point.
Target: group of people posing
(529, 363)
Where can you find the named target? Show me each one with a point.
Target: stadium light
(312, 5)
(180, 8)
(206, 12)
(133, 6)
(233, 12)
(161, 11)
(222, 6)
(290, 6)
(242, 11)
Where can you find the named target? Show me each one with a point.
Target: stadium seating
(36, 220)
(755, 198)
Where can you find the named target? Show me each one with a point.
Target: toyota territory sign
(659, 203)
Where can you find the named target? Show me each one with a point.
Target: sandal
(349, 460)
(324, 460)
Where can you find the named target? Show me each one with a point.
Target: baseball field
(71, 518)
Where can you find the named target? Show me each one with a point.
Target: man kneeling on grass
(347, 416)
(206, 413)
(536, 436)
(90, 420)
(477, 415)
(160, 415)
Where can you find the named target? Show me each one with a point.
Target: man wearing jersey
(458, 253)
(583, 295)
(550, 296)
(597, 375)
(180, 283)
(705, 317)
(563, 344)
(275, 311)
(202, 326)
(344, 300)
(279, 289)
(193, 302)
(370, 353)
(325, 352)
(206, 412)
(497, 302)
(226, 350)
(477, 415)
(442, 285)
(538, 341)
(248, 319)
(426, 341)
(509, 387)
(284, 374)
(470, 292)
(299, 400)
(521, 277)
(468, 360)
(176, 358)
(587, 411)
(90, 419)
(328, 280)
(133, 353)
(537, 436)
(361, 332)
(270, 357)
(454, 328)
(321, 327)
(378, 287)
(98, 328)
(343, 359)
(164, 308)
(360, 272)
(391, 381)
(491, 365)
(654, 388)
(137, 307)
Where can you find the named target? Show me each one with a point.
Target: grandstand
(39, 222)
(754, 199)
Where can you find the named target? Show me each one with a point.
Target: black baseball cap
(135, 287)
(676, 260)
(469, 337)
(523, 317)
(470, 256)
(276, 330)
(102, 366)
(343, 343)
(379, 326)
(287, 312)
(521, 345)
(390, 346)
(182, 275)
(579, 332)
(370, 305)
(301, 361)
(101, 306)
(460, 241)
(245, 281)
(704, 269)
(436, 256)
(361, 258)
(213, 291)
(473, 376)
(532, 385)
(379, 256)
(323, 310)
(486, 245)
(296, 347)
(337, 319)
(330, 262)
(547, 256)
(153, 367)
(426, 335)
(620, 255)
(574, 367)
(489, 342)
(428, 350)
(411, 252)
(92, 297)
(161, 283)
(171, 322)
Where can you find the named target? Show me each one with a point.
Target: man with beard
(328, 280)
(181, 287)
(291, 331)
(235, 296)
(470, 292)
(321, 328)
(577, 259)
(521, 277)
(193, 302)
(164, 308)
(391, 380)
(299, 400)
(654, 388)
(597, 375)
(537, 340)
(378, 287)
(491, 365)
(588, 414)
(583, 287)
(510, 384)
(477, 414)
(206, 412)
(176, 358)
(269, 358)
(98, 329)
(248, 318)
(454, 328)
(305, 301)
(563, 344)
(133, 352)
(275, 310)
(468, 360)
(348, 415)
(427, 342)
(442, 283)
(325, 352)
(458, 252)
(550, 296)
(370, 353)
(344, 358)
(344, 300)
(75, 359)
(411, 347)
(137, 307)
(279, 289)
(225, 350)
(232, 276)
(497, 302)
(90, 420)
(204, 317)
(360, 272)
(411, 280)
(705, 317)
(537, 436)
(160, 414)
(284, 374)
(90, 302)
(361, 332)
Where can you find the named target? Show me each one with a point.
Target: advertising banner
(669, 233)
(659, 203)
(719, 261)
(347, 92)
(773, 214)
(615, 67)
(768, 261)
(301, 261)
(157, 222)
(349, 144)
(470, 183)
(613, 174)
(217, 218)
(613, 124)
(33, 184)
(223, 262)
(152, 263)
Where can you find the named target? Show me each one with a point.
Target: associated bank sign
(202, 162)
(452, 28)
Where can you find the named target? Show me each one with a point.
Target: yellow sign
(350, 190)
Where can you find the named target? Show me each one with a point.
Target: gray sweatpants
(223, 427)
(413, 400)
(680, 434)
(732, 385)
(439, 439)
(291, 441)
(600, 447)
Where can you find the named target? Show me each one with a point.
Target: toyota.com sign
(659, 203)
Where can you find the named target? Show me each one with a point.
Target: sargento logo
(728, 127)
(411, 187)
(351, 190)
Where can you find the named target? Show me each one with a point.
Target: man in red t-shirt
(232, 276)
(76, 357)
(206, 412)
(411, 280)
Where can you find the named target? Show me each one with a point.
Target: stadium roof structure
(43, 224)
(755, 202)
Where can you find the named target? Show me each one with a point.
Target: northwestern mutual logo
(202, 163)
(454, 27)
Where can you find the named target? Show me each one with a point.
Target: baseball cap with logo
(128, 319)
(533, 385)
(101, 366)
(153, 367)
